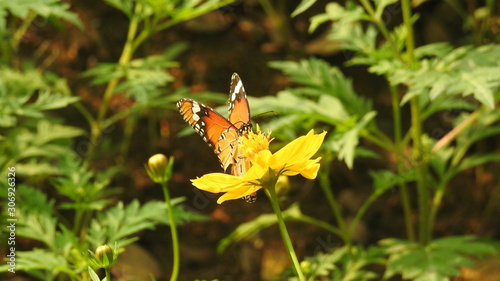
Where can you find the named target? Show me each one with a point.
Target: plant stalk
(98, 126)
(173, 232)
(271, 193)
(398, 139)
(416, 131)
(324, 183)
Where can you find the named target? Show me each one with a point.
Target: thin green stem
(127, 134)
(108, 273)
(319, 223)
(361, 212)
(192, 14)
(398, 139)
(173, 232)
(19, 33)
(127, 52)
(378, 138)
(276, 15)
(380, 25)
(271, 193)
(422, 187)
(436, 202)
(78, 221)
(324, 182)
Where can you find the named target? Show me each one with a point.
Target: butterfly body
(222, 134)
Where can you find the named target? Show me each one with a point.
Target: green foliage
(324, 97)
(385, 179)
(30, 137)
(436, 261)
(40, 145)
(431, 79)
(249, 229)
(44, 8)
(142, 78)
(342, 264)
(462, 71)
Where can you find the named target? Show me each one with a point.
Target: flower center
(252, 143)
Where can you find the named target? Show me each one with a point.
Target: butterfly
(222, 134)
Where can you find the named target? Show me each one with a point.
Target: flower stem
(271, 193)
(173, 231)
(108, 273)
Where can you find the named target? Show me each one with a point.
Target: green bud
(159, 168)
(305, 266)
(105, 255)
(282, 186)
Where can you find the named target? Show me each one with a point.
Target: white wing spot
(237, 89)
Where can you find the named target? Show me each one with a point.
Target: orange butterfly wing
(239, 110)
(215, 130)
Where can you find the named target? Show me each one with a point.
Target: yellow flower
(293, 159)
(253, 143)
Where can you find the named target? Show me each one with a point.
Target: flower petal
(238, 193)
(297, 151)
(311, 170)
(217, 182)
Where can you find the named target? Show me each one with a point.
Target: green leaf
(345, 143)
(44, 264)
(335, 12)
(463, 71)
(302, 7)
(93, 275)
(385, 179)
(477, 160)
(250, 229)
(343, 263)
(120, 222)
(319, 78)
(125, 6)
(142, 78)
(380, 6)
(28, 94)
(436, 261)
(44, 8)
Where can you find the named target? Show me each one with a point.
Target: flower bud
(159, 168)
(104, 254)
(282, 186)
(306, 266)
